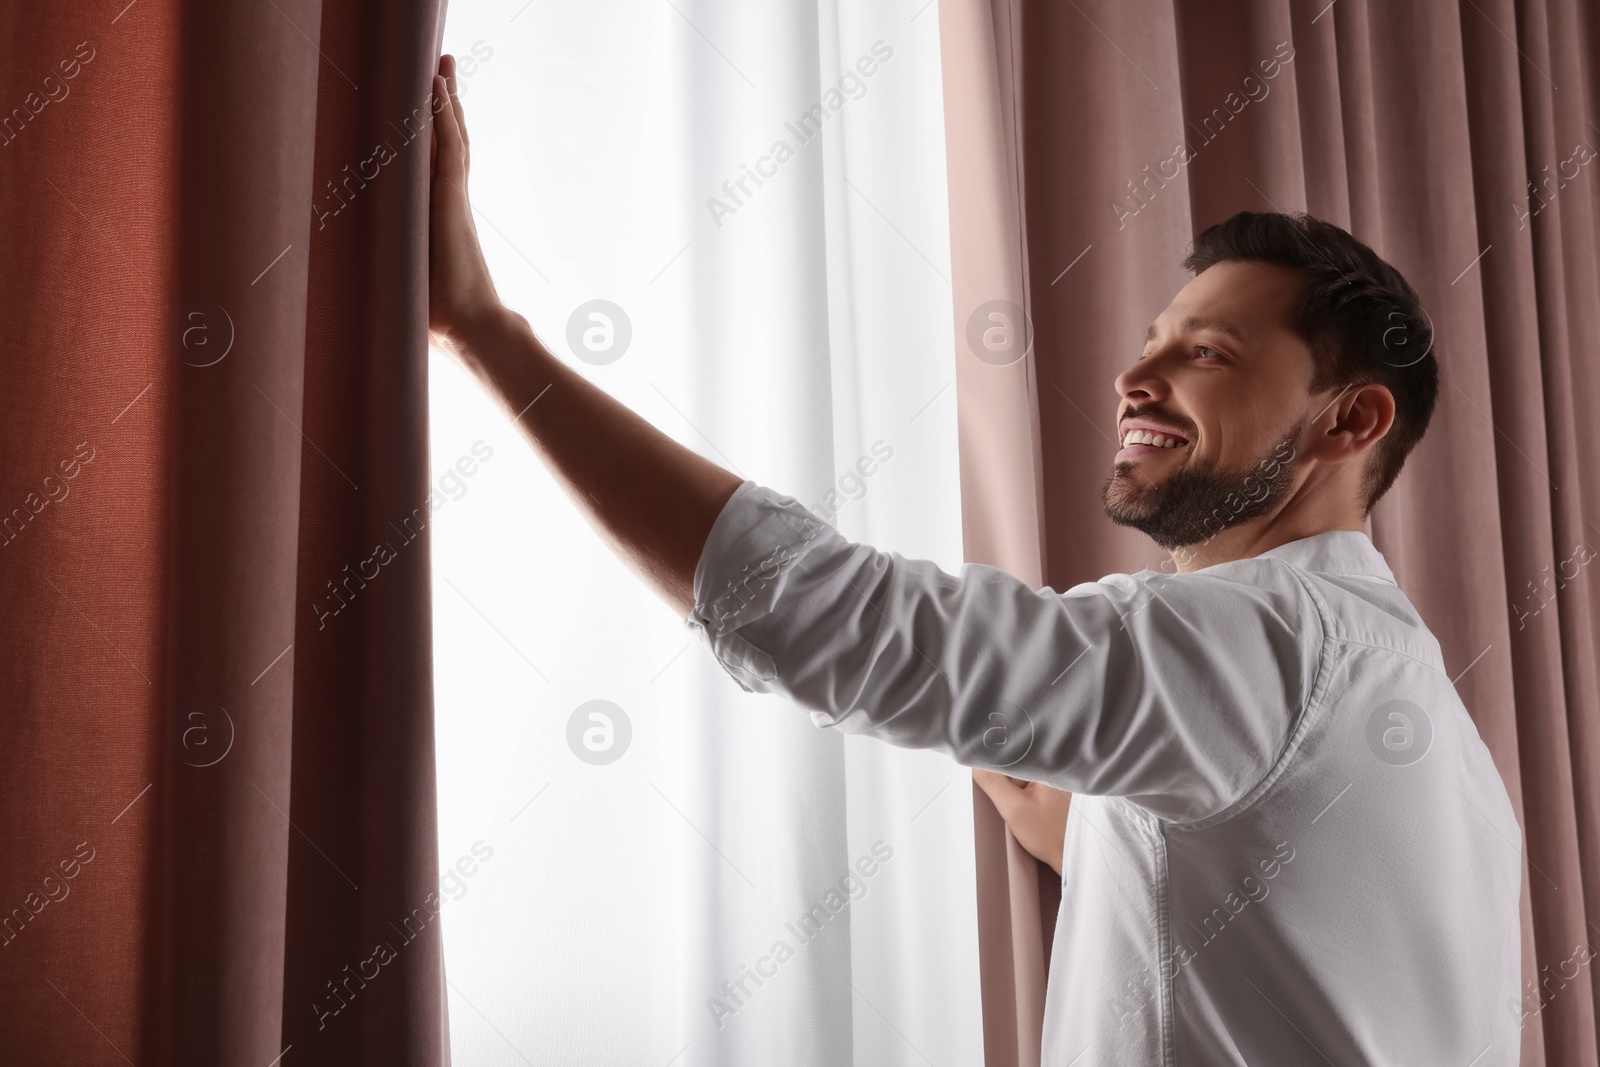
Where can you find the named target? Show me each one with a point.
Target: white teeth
(1145, 437)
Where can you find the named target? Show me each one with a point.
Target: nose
(1143, 382)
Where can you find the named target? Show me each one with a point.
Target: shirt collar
(1335, 552)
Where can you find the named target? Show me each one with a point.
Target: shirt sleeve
(1176, 691)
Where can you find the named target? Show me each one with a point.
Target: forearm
(651, 499)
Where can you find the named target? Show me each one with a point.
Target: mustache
(1156, 415)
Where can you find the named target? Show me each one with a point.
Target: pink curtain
(1454, 138)
(216, 761)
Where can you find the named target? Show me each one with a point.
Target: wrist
(482, 338)
(500, 350)
(474, 329)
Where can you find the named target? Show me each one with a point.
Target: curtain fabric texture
(1001, 474)
(1096, 139)
(216, 757)
(786, 312)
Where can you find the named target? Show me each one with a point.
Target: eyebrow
(1196, 322)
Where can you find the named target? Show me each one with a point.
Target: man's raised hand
(461, 293)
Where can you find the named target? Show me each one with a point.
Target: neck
(1295, 520)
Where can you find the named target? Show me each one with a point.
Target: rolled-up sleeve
(1178, 692)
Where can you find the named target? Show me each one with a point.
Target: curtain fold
(221, 702)
(756, 193)
(1456, 140)
(1001, 470)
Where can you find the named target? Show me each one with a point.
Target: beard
(1191, 505)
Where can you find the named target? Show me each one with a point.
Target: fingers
(444, 122)
(1005, 793)
(433, 136)
(460, 116)
(449, 114)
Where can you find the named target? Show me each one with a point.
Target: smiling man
(1287, 843)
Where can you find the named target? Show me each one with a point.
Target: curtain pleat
(220, 684)
(997, 397)
(1418, 127)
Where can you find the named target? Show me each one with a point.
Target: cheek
(1237, 429)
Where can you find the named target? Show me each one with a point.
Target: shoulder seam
(1434, 667)
(1320, 684)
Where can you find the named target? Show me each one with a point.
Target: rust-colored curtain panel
(1088, 144)
(216, 752)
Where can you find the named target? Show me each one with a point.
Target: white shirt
(1287, 843)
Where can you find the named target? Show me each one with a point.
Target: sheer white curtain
(617, 888)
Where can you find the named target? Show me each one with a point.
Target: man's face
(1225, 372)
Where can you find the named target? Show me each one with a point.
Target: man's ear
(1367, 414)
(1362, 414)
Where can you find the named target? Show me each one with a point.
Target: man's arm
(1093, 691)
(652, 500)
(1177, 692)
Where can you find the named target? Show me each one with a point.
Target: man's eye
(1208, 348)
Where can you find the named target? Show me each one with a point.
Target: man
(1288, 843)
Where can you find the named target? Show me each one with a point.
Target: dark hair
(1361, 318)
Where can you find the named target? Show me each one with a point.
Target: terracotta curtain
(216, 753)
(1454, 138)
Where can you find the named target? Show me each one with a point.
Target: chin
(1127, 503)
